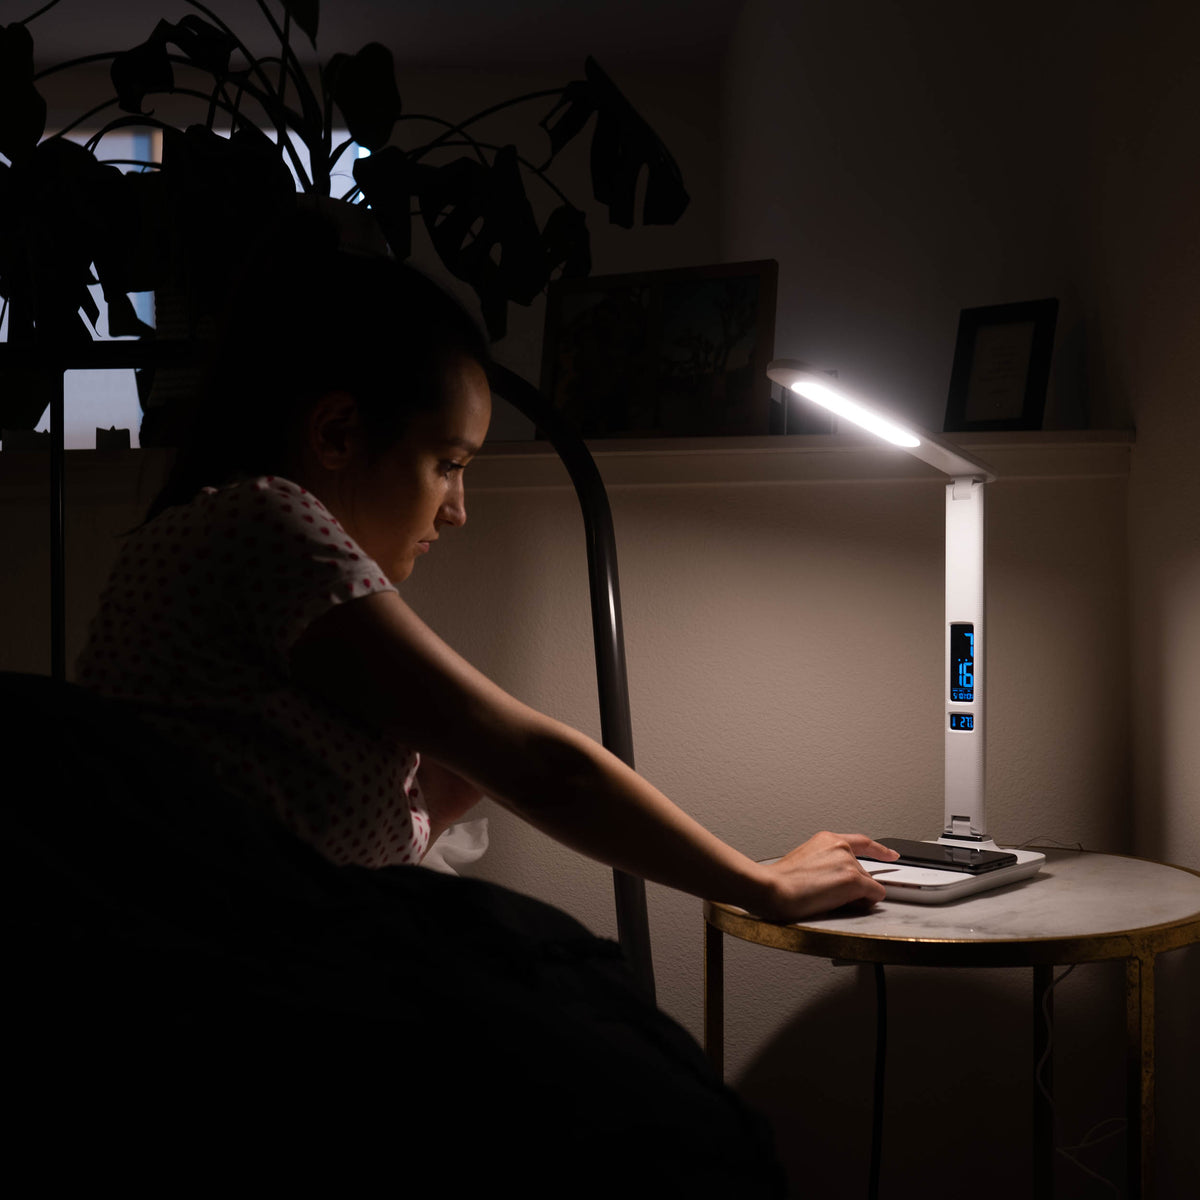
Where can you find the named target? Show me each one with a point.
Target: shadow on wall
(958, 1092)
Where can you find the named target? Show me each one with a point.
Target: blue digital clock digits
(962, 721)
(962, 662)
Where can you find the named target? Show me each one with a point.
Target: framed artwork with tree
(680, 353)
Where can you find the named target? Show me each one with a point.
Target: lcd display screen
(962, 662)
(962, 721)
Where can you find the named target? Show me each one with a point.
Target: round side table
(1081, 907)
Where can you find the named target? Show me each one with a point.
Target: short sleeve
(288, 561)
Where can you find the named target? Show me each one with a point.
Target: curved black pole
(616, 728)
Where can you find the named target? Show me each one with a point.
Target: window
(105, 399)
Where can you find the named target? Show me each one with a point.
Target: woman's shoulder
(238, 524)
(245, 500)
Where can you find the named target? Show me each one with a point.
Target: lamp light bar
(815, 385)
(843, 406)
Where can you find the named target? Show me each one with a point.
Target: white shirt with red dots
(194, 631)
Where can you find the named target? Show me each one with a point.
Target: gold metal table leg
(1139, 1065)
(714, 997)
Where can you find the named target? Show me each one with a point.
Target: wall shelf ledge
(659, 462)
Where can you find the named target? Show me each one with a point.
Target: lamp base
(926, 885)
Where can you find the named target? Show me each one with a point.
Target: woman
(254, 616)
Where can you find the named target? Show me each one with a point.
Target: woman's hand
(823, 874)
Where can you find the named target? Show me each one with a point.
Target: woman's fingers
(865, 847)
(824, 873)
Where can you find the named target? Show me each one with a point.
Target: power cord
(1050, 843)
(1092, 1137)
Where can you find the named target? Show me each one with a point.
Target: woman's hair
(308, 318)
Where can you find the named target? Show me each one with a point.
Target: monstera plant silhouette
(70, 219)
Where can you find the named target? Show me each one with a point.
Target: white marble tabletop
(1076, 894)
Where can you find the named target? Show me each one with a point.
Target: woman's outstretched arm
(375, 658)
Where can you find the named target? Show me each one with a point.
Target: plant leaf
(123, 321)
(306, 14)
(621, 146)
(221, 194)
(22, 109)
(389, 180)
(50, 230)
(566, 243)
(25, 395)
(145, 68)
(579, 102)
(206, 45)
(363, 86)
(482, 225)
(49, 235)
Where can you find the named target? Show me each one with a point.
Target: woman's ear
(333, 430)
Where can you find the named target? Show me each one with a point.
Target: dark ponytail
(308, 318)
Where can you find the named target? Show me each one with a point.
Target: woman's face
(396, 503)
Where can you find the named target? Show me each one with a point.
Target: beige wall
(1144, 252)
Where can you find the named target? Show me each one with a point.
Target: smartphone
(947, 858)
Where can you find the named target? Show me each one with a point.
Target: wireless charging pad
(928, 885)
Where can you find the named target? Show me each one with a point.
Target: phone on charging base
(946, 858)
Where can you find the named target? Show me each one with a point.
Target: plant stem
(73, 62)
(523, 161)
(287, 23)
(451, 128)
(34, 16)
(130, 162)
(339, 150)
(265, 98)
(87, 116)
(233, 110)
(487, 112)
(309, 102)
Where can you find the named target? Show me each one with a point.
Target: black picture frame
(1001, 367)
(674, 353)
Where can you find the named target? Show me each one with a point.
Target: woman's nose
(454, 510)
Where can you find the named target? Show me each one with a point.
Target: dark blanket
(196, 993)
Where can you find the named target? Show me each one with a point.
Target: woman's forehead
(463, 416)
(468, 398)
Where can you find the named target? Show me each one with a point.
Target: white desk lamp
(964, 675)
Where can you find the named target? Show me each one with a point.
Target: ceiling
(504, 34)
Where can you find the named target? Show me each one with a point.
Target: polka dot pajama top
(195, 628)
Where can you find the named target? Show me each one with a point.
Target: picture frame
(1001, 367)
(673, 353)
